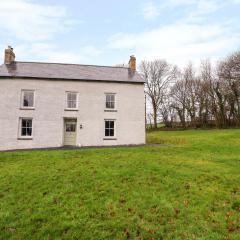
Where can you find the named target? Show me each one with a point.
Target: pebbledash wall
(49, 113)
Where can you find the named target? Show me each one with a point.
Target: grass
(189, 188)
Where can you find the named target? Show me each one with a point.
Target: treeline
(205, 97)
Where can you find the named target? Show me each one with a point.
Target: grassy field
(187, 188)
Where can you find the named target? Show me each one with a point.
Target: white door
(70, 132)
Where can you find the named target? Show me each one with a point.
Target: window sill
(71, 109)
(25, 138)
(110, 138)
(27, 108)
(110, 110)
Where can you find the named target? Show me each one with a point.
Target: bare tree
(191, 84)
(229, 78)
(179, 96)
(207, 97)
(166, 112)
(158, 74)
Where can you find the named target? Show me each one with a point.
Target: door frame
(65, 119)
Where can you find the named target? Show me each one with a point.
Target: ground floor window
(109, 128)
(26, 127)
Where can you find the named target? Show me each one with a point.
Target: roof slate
(60, 71)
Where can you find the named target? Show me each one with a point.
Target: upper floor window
(27, 99)
(110, 101)
(72, 100)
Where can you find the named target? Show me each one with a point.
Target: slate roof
(60, 71)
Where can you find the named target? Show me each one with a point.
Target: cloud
(48, 52)
(28, 21)
(189, 37)
(207, 5)
(150, 10)
(196, 10)
(203, 9)
(178, 43)
(34, 28)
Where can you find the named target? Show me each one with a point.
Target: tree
(229, 77)
(158, 75)
(179, 96)
(191, 84)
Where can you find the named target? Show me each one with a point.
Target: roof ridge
(74, 64)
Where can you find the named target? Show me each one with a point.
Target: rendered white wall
(50, 111)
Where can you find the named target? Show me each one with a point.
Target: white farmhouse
(44, 105)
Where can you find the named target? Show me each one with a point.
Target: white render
(49, 113)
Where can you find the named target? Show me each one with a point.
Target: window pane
(29, 131)
(111, 104)
(74, 104)
(111, 123)
(24, 123)
(23, 132)
(109, 128)
(29, 123)
(69, 96)
(71, 100)
(73, 128)
(74, 96)
(28, 99)
(70, 127)
(111, 132)
(110, 101)
(25, 102)
(107, 132)
(26, 127)
(108, 105)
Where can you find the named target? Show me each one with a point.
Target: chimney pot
(9, 55)
(132, 63)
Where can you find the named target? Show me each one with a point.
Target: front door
(70, 132)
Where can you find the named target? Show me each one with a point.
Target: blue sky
(107, 32)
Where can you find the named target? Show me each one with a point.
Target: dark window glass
(70, 127)
(106, 132)
(24, 132)
(111, 124)
(26, 128)
(111, 132)
(109, 128)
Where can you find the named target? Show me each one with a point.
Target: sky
(107, 32)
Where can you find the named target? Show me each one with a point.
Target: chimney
(9, 55)
(132, 63)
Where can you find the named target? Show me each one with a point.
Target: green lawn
(189, 188)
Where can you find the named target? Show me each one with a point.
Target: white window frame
(115, 130)
(23, 91)
(20, 136)
(66, 101)
(115, 102)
